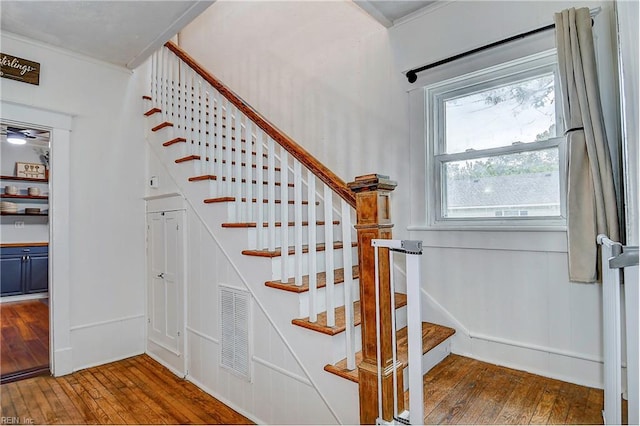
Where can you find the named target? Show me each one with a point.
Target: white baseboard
(225, 401)
(23, 297)
(107, 341)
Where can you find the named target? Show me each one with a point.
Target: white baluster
(175, 110)
(328, 244)
(154, 80)
(313, 261)
(237, 190)
(202, 128)
(170, 91)
(165, 82)
(189, 112)
(297, 191)
(228, 132)
(259, 191)
(161, 55)
(284, 216)
(348, 284)
(217, 116)
(248, 172)
(271, 191)
(185, 110)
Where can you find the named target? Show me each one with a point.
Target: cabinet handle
(161, 275)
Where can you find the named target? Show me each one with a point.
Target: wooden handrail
(327, 176)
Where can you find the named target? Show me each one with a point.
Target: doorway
(24, 251)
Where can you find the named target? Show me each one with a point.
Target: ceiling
(123, 33)
(389, 12)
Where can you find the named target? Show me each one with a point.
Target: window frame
(504, 73)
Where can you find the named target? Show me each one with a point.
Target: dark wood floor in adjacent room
(24, 338)
(137, 390)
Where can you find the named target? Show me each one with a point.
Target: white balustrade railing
(241, 161)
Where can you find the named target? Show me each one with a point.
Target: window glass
(519, 184)
(501, 115)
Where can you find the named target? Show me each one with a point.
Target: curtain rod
(412, 74)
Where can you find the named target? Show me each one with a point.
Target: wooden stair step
(432, 336)
(152, 111)
(174, 141)
(147, 98)
(214, 177)
(322, 327)
(244, 200)
(162, 126)
(321, 278)
(265, 224)
(305, 249)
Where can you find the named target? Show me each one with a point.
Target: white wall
(507, 292)
(320, 71)
(105, 236)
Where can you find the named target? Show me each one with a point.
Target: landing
(462, 390)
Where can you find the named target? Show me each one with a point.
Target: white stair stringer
(310, 351)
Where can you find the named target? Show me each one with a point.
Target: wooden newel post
(374, 222)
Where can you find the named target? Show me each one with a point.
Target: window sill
(543, 239)
(488, 228)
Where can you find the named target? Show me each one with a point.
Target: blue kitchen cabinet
(24, 270)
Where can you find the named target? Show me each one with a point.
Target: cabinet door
(37, 273)
(11, 274)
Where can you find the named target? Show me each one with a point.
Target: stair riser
(429, 360)
(252, 236)
(320, 259)
(252, 211)
(321, 298)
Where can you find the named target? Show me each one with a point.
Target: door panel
(166, 287)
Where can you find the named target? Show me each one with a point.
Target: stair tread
(265, 224)
(244, 200)
(322, 327)
(305, 249)
(224, 178)
(432, 336)
(291, 286)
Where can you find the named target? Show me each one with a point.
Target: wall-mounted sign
(19, 69)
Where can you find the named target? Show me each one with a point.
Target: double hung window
(496, 146)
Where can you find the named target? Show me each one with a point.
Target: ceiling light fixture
(16, 139)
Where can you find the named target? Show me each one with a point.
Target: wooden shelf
(25, 197)
(24, 214)
(23, 179)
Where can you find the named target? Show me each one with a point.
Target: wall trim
(539, 348)
(225, 401)
(203, 335)
(110, 321)
(165, 365)
(281, 370)
(107, 361)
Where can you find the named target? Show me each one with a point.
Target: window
(496, 145)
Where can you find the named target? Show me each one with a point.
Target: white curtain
(591, 198)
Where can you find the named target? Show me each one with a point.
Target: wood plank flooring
(24, 337)
(462, 390)
(136, 390)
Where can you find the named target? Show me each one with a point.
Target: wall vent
(235, 337)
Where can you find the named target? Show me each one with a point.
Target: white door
(165, 308)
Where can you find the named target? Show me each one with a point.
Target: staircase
(277, 205)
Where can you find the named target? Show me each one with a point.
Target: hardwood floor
(133, 391)
(462, 390)
(138, 390)
(24, 338)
